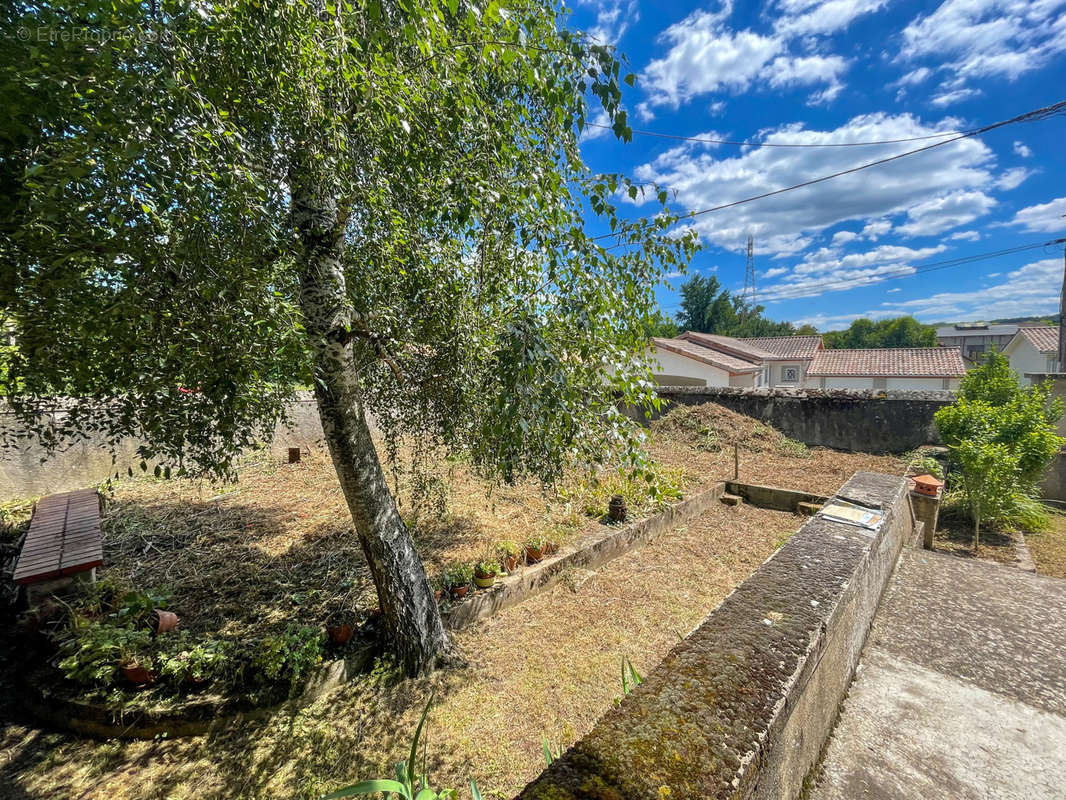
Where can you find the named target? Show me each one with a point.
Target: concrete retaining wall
(28, 471)
(867, 421)
(1053, 487)
(589, 552)
(743, 706)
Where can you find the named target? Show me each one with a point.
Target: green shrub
(1001, 437)
(91, 651)
(793, 448)
(285, 658)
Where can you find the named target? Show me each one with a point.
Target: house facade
(702, 359)
(913, 368)
(1033, 350)
(975, 338)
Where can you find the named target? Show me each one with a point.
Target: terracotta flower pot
(137, 675)
(484, 582)
(510, 563)
(164, 621)
(459, 592)
(533, 555)
(340, 634)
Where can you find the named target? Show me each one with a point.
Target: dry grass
(549, 666)
(700, 439)
(278, 547)
(1049, 548)
(954, 536)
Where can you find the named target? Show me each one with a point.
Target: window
(789, 374)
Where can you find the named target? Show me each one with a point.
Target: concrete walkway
(961, 689)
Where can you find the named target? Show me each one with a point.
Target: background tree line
(708, 307)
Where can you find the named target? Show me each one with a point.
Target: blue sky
(829, 71)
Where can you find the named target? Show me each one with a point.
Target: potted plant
(457, 579)
(340, 625)
(510, 555)
(136, 666)
(536, 549)
(485, 573)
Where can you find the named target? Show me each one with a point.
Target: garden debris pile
(711, 427)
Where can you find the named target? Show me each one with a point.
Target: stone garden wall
(28, 471)
(743, 706)
(891, 421)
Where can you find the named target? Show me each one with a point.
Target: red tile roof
(706, 355)
(788, 347)
(1044, 338)
(895, 362)
(740, 348)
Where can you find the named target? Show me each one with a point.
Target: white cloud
(914, 77)
(613, 18)
(843, 237)
(945, 212)
(1013, 178)
(786, 223)
(965, 236)
(1033, 289)
(950, 98)
(984, 38)
(1021, 149)
(828, 269)
(1047, 217)
(716, 108)
(595, 131)
(774, 272)
(875, 229)
(807, 17)
(706, 55)
(893, 291)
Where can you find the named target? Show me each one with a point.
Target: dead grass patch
(547, 667)
(1049, 548)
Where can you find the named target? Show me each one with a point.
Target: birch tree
(205, 205)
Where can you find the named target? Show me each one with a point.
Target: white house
(1033, 350)
(790, 358)
(681, 362)
(916, 368)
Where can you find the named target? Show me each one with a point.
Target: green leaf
(369, 787)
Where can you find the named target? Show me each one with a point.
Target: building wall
(904, 384)
(975, 345)
(665, 364)
(777, 373)
(743, 380)
(1023, 358)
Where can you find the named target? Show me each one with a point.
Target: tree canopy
(863, 333)
(707, 307)
(383, 199)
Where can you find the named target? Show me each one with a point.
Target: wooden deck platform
(64, 537)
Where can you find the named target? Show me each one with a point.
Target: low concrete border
(176, 716)
(773, 497)
(589, 552)
(743, 706)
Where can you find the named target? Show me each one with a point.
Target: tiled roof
(741, 348)
(892, 362)
(706, 355)
(1044, 338)
(787, 346)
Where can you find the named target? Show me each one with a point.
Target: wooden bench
(64, 539)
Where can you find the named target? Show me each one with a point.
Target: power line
(1029, 116)
(751, 143)
(908, 271)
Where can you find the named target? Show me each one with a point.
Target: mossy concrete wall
(27, 470)
(891, 421)
(743, 706)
